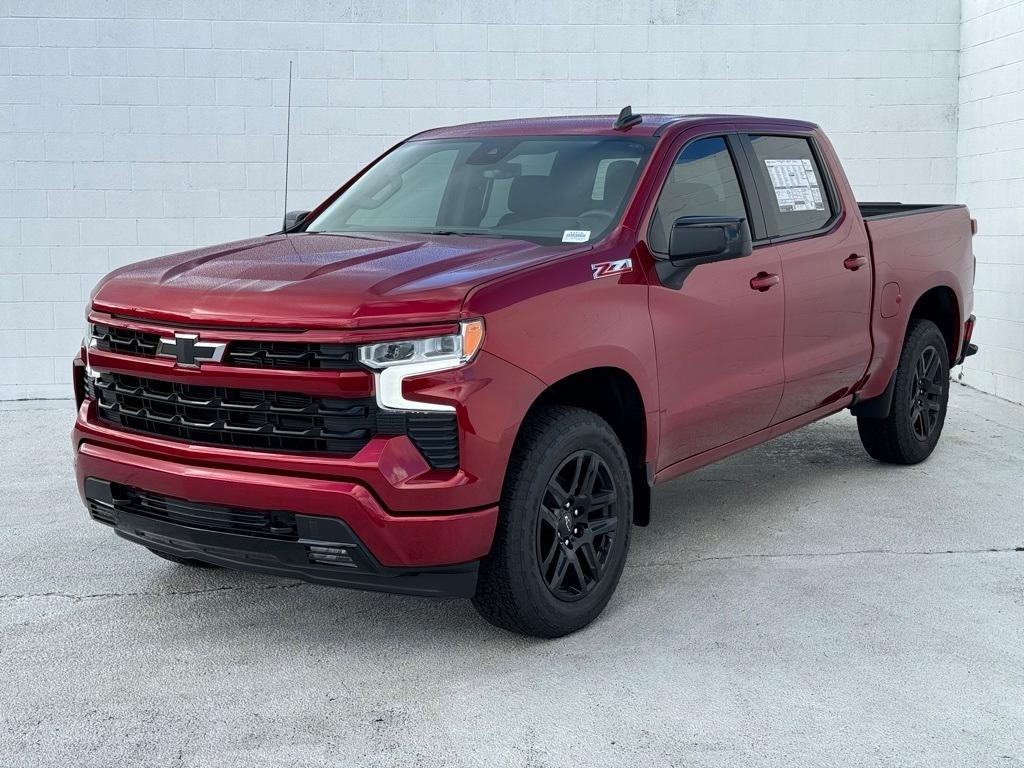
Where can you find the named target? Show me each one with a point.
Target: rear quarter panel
(917, 252)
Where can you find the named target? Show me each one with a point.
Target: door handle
(762, 281)
(853, 262)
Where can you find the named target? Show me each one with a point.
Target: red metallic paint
(719, 366)
(828, 305)
(920, 252)
(718, 335)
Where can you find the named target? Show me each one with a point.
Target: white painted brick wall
(130, 129)
(990, 179)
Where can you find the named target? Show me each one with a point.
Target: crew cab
(463, 372)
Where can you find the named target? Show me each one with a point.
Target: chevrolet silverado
(463, 372)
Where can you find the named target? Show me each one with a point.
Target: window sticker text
(795, 185)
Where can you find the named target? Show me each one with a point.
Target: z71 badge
(609, 268)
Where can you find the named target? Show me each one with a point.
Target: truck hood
(316, 280)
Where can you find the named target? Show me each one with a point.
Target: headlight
(395, 361)
(456, 349)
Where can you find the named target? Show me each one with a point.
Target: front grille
(287, 355)
(292, 355)
(266, 420)
(240, 418)
(194, 514)
(124, 341)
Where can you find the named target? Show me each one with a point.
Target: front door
(718, 329)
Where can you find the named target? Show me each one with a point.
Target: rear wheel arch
(940, 305)
(613, 394)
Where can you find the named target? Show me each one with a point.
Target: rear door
(718, 337)
(826, 270)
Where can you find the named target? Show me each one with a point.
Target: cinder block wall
(130, 129)
(990, 179)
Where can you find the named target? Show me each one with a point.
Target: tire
(909, 433)
(568, 480)
(182, 560)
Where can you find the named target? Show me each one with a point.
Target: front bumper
(412, 554)
(314, 548)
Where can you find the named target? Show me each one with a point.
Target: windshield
(549, 190)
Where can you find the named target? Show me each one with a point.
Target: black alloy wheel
(926, 391)
(577, 525)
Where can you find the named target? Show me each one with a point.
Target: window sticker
(795, 185)
(575, 235)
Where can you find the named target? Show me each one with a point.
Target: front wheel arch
(612, 394)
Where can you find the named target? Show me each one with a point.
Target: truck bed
(890, 210)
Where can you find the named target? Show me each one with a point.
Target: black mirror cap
(292, 219)
(704, 239)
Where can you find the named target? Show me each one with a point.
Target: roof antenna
(627, 119)
(287, 148)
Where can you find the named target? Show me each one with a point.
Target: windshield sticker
(575, 235)
(796, 186)
(609, 268)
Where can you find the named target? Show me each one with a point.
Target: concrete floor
(796, 605)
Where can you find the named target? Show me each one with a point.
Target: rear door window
(794, 192)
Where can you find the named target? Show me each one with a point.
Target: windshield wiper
(457, 233)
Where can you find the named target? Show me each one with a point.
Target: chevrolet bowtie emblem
(189, 352)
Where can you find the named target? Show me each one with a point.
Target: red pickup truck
(464, 371)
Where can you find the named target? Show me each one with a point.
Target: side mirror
(292, 219)
(703, 239)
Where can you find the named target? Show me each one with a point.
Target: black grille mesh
(291, 355)
(242, 418)
(286, 355)
(195, 514)
(266, 420)
(124, 341)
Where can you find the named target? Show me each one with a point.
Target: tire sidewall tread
(892, 439)
(510, 591)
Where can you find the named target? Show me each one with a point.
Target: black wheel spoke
(602, 500)
(553, 549)
(574, 486)
(550, 516)
(562, 564)
(577, 569)
(602, 526)
(557, 492)
(589, 557)
(590, 475)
